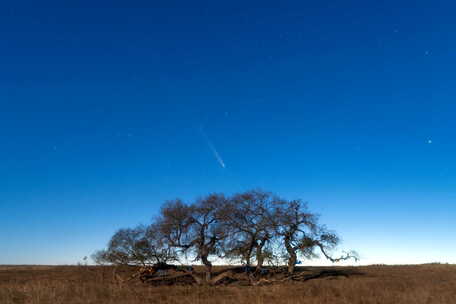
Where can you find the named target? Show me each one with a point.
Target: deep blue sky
(108, 108)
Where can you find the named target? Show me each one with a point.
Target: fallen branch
(302, 277)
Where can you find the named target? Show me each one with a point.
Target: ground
(432, 283)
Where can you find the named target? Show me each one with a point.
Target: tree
(300, 233)
(197, 229)
(138, 246)
(156, 248)
(251, 226)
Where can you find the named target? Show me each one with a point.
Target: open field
(433, 283)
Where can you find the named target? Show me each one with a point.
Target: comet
(213, 149)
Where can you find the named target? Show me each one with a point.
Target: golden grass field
(432, 283)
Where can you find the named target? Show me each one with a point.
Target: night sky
(109, 108)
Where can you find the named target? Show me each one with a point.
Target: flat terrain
(433, 283)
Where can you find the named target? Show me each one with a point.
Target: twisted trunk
(208, 266)
(292, 256)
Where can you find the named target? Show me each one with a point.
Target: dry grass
(378, 284)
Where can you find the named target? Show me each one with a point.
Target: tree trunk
(260, 255)
(291, 263)
(260, 259)
(208, 265)
(292, 257)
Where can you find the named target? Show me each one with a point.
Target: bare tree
(293, 224)
(252, 226)
(301, 234)
(155, 247)
(196, 229)
(251, 229)
(138, 246)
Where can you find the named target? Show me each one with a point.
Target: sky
(110, 108)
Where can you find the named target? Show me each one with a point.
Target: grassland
(421, 284)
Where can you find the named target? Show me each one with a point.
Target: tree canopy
(253, 227)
